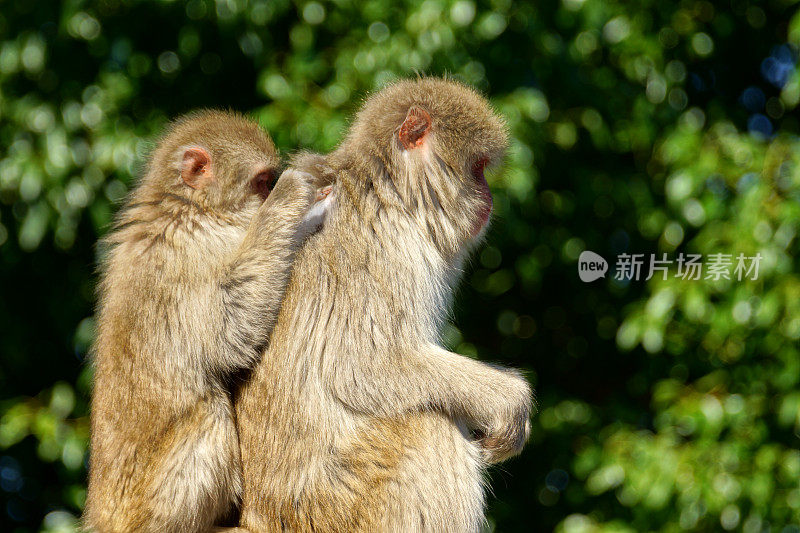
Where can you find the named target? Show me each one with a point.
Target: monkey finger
(323, 193)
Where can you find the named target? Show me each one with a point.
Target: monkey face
(225, 162)
(437, 137)
(252, 170)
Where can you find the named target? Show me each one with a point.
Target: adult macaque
(356, 419)
(197, 266)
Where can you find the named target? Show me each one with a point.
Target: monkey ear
(196, 168)
(414, 128)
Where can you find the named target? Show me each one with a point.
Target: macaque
(197, 265)
(355, 418)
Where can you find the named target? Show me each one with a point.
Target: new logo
(591, 266)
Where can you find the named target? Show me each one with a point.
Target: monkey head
(434, 137)
(218, 160)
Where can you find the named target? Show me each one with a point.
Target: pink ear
(196, 168)
(415, 127)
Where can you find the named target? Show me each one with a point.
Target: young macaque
(356, 419)
(197, 265)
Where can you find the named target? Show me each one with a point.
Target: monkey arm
(255, 280)
(493, 400)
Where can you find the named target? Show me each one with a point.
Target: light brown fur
(190, 290)
(356, 419)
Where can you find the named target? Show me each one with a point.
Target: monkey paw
(507, 435)
(294, 187)
(323, 193)
(498, 447)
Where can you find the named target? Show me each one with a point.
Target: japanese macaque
(356, 419)
(197, 265)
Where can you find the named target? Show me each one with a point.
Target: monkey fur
(196, 267)
(355, 418)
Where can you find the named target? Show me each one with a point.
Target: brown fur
(190, 289)
(356, 419)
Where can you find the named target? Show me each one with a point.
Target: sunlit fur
(356, 419)
(189, 292)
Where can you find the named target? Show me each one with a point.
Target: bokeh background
(638, 127)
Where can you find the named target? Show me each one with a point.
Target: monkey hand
(315, 210)
(506, 435)
(294, 191)
(317, 165)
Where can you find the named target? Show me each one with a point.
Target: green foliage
(646, 127)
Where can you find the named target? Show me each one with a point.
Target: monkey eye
(478, 167)
(263, 182)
